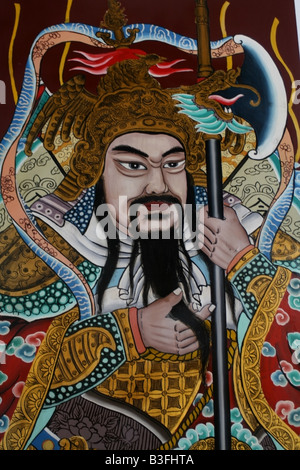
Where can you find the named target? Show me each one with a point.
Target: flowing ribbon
(22, 217)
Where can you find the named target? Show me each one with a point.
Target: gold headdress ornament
(129, 100)
(114, 20)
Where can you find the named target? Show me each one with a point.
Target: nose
(156, 183)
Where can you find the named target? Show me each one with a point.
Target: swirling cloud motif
(208, 378)
(202, 431)
(3, 377)
(282, 317)
(296, 357)
(36, 338)
(26, 352)
(286, 366)
(2, 352)
(294, 302)
(25, 349)
(279, 379)
(246, 436)
(294, 340)
(268, 350)
(15, 343)
(4, 422)
(197, 398)
(235, 416)
(294, 343)
(294, 377)
(17, 389)
(294, 417)
(19, 348)
(205, 430)
(294, 287)
(283, 408)
(208, 410)
(294, 291)
(291, 374)
(4, 327)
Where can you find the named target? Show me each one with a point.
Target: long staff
(215, 209)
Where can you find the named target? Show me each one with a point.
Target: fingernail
(177, 291)
(211, 308)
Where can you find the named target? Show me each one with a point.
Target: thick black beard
(163, 273)
(162, 267)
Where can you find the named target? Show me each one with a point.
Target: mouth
(157, 205)
(153, 214)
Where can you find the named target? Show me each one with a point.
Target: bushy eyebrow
(174, 150)
(135, 151)
(129, 149)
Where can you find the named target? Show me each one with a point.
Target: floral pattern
(100, 428)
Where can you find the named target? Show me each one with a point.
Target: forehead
(151, 144)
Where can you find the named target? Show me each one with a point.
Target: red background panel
(253, 18)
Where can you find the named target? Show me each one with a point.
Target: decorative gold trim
(163, 390)
(114, 20)
(250, 363)
(122, 317)
(152, 354)
(22, 272)
(285, 247)
(189, 421)
(231, 335)
(209, 444)
(74, 443)
(80, 353)
(240, 395)
(37, 384)
(258, 286)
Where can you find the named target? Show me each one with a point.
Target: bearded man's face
(144, 179)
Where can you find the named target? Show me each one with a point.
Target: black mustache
(164, 198)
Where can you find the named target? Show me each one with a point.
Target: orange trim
(133, 312)
(237, 258)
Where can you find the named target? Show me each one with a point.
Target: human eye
(133, 166)
(174, 164)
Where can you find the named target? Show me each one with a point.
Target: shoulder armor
(21, 271)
